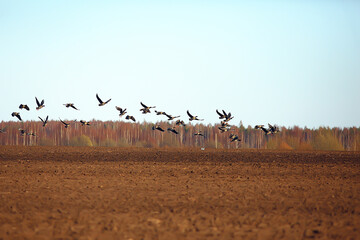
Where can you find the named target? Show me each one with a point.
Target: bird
(66, 125)
(273, 129)
(224, 129)
(3, 130)
(171, 117)
(221, 115)
(22, 106)
(122, 111)
(234, 138)
(83, 123)
(191, 117)
(70, 105)
(128, 117)
(266, 131)
(22, 131)
(44, 122)
(31, 134)
(16, 114)
(157, 127)
(39, 105)
(145, 108)
(173, 130)
(199, 134)
(159, 113)
(101, 103)
(180, 123)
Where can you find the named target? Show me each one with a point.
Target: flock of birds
(223, 116)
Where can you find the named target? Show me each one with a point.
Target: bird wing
(143, 105)
(37, 101)
(46, 119)
(118, 108)
(27, 107)
(41, 119)
(98, 98)
(74, 107)
(188, 113)
(42, 102)
(219, 113)
(108, 101)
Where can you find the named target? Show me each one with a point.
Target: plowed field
(115, 193)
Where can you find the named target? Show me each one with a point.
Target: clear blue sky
(283, 62)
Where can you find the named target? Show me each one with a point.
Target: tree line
(126, 134)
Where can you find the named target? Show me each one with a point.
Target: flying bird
(22, 106)
(83, 123)
(221, 115)
(224, 129)
(199, 134)
(31, 134)
(145, 108)
(266, 131)
(234, 138)
(191, 117)
(122, 111)
(157, 127)
(159, 113)
(180, 123)
(22, 131)
(66, 125)
(128, 117)
(39, 105)
(44, 121)
(70, 105)
(16, 114)
(101, 103)
(171, 117)
(173, 130)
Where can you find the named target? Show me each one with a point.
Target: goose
(83, 123)
(16, 114)
(180, 123)
(145, 108)
(3, 130)
(221, 115)
(66, 125)
(22, 106)
(173, 130)
(157, 127)
(266, 131)
(39, 105)
(22, 131)
(70, 105)
(273, 129)
(101, 103)
(128, 117)
(199, 134)
(171, 117)
(191, 117)
(44, 122)
(122, 111)
(31, 134)
(160, 113)
(234, 138)
(224, 129)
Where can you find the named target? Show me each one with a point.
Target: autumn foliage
(126, 134)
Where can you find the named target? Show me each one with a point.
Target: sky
(290, 63)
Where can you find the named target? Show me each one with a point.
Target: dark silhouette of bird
(66, 125)
(16, 114)
(22, 131)
(221, 115)
(39, 105)
(273, 129)
(70, 105)
(129, 117)
(224, 129)
(3, 130)
(44, 121)
(170, 117)
(122, 111)
(192, 118)
(145, 108)
(101, 103)
(83, 123)
(173, 130)
(159, 113)
(266, 131)
(199, 133)
(180, 123)
(234, 138)
(24, 106)
(157, 127)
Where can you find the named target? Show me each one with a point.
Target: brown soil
(114, 193)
